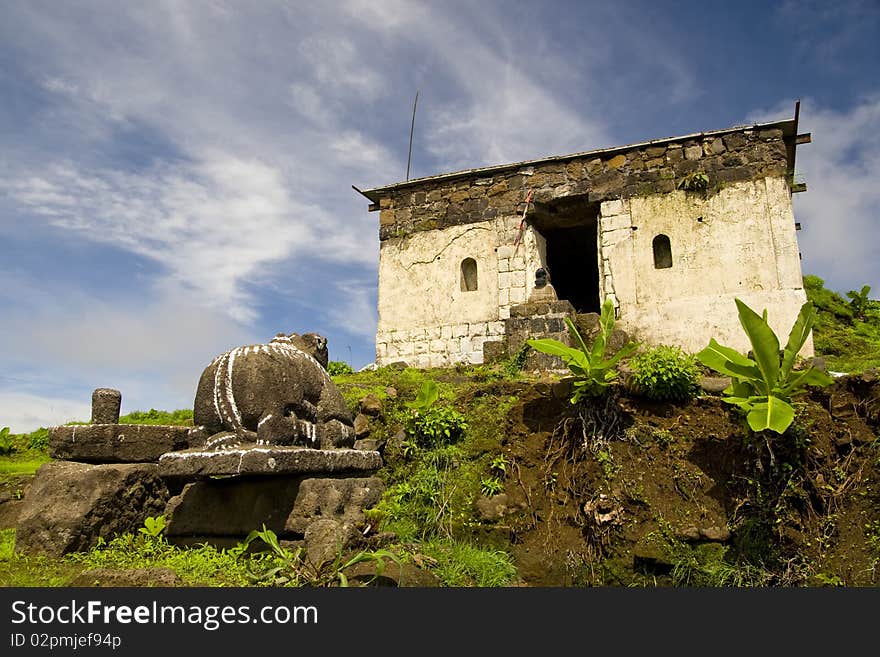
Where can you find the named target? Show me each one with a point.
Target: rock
(716, 147)
(70, 505)
(10, 510)
(232, 507)
(116, 443)
(616, 341)
(715, 534)
(265, 460)
(689, 533)
(105, 406)
(275, 393)
(341, 500)
(406, 574)
(398, 365)
(371, 405)
(714, 384)
(361, 426)
(818, 362)
(648, 557)
(391, 392)
(313, 344)
(693, 152)
(325, 539)
(369, 444)
(491, 509)
(494, 351)
(139, 577)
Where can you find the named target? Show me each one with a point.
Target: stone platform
(266, 460)
(116, 443)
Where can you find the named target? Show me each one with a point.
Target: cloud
(839, 211)
(24, 413)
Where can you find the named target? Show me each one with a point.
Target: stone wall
(613, 174)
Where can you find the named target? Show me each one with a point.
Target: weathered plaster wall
(425, 318)
(738, 242)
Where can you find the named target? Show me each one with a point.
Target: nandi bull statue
(274, 394)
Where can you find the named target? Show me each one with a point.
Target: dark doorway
(569, 225)
(573, 266)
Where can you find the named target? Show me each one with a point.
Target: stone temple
(671, 230)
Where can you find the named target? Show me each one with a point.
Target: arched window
(468, 275)
(662, 252)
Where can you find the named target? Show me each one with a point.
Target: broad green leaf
(624, 351)
(606, 324)
(796, 338)
(553, 347)
(774, 414)
(765, 344)
(728, 361)
(428, 394)
(809, 377)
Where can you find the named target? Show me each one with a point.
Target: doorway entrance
(569, 226)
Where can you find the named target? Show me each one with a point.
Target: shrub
(39, 439)
(433, 425)
(666, 373)
(6, 446)
(337, 367)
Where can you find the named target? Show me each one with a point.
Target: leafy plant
(763, 387)
(696, 181)
(514, 364)
(292, 568)
(6, 446)
(153, 526)
(666, 373)
(432, 425)
(337, 367)
(860, 303)
(592, 371)
(490, 486)
(499, 465)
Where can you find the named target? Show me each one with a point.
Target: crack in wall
(440, 252)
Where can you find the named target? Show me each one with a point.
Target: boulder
(371, 405)
(274, 393)
(361, 426)
(326, 539)
(70, 505)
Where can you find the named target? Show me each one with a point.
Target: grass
(459, 563)
(847, 343)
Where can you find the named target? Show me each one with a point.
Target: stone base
(266, 460)
(116, 443)
(70, 505)
(292, 507)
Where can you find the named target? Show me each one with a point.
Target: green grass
(24, 466)
(848, 344)
(463, 564)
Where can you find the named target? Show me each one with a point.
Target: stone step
(266, 460)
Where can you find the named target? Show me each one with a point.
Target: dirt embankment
(659, 494)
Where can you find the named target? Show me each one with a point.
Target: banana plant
(764, 385)
(592, 371)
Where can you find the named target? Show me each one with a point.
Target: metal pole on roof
(411, 129)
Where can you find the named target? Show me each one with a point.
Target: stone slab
(116, 443)
(266, 460)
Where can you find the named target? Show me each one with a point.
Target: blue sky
(175, 177)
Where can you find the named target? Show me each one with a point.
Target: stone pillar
(105, 406)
